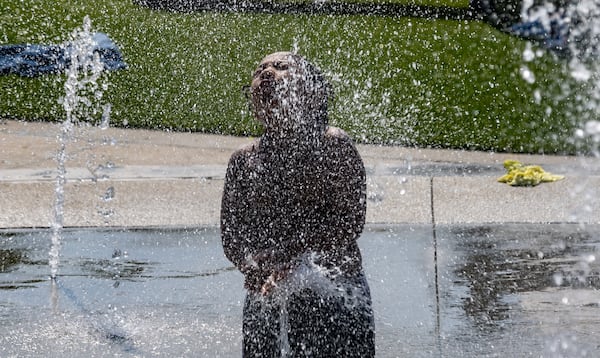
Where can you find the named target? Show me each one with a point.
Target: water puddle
(131, 293)
(513, 290)
(519, 290)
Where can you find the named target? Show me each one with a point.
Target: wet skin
(272, 70)
(274, 78)
(291, 192)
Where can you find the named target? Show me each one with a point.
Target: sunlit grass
(421, 82)
(450, 3)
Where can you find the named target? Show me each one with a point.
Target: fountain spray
(82, 102)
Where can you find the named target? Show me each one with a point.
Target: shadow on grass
(316, 8)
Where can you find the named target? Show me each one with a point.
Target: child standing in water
(293, 207)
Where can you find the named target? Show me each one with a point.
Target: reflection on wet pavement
(519, 290)
(9, 258)
(501, 290)
(120, 293)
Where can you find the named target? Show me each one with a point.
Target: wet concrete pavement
(175, 179)
(459, 265)
(498, 290)
(519, 290)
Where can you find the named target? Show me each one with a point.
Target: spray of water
(575, 26)
(325, 282)
(82, 102)
(578, 24)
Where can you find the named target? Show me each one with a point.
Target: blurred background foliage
(402, 80)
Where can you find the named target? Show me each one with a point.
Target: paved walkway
(135, 178)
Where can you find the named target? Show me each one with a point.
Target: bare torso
(283, 199)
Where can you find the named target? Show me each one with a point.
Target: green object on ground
(526, 175)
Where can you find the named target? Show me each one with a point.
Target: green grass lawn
(434, 83)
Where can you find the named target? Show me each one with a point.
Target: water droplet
(105, 116)
(527, 74)
(537, 96)
(592, 127)
(109, 194)
(528, 54)
(579, 72)
(106, 213)
(589, 258)
(558, 279)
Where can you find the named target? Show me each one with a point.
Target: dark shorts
(311, 322)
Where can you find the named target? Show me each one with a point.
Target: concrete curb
(175, 179)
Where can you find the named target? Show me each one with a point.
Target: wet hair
(316, 90)
(315, 82)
